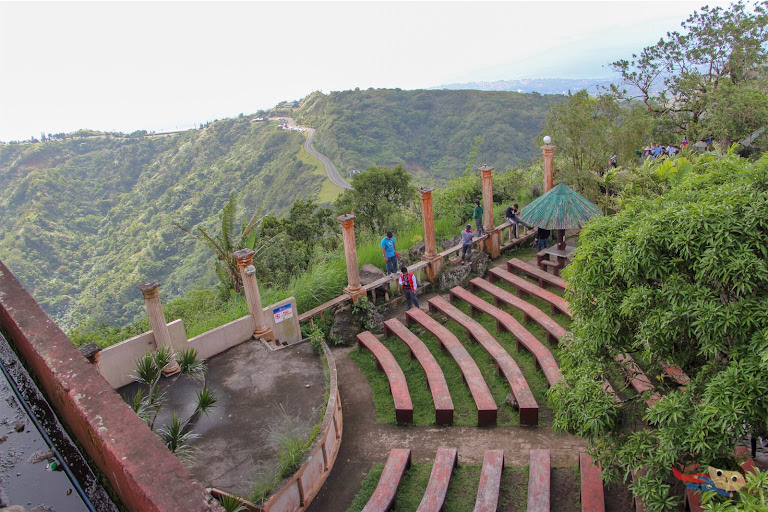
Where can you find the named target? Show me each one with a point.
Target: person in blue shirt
(389, 250)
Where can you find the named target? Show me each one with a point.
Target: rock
(19, 427)
(447, 243)
(373, 321)
(3, 439)
(346, 326)
(13, 508)
(461, 275)
(417, 251)
(370, 273)
(511, 401)
(40, 457)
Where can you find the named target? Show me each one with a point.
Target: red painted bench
(544, 359)
(528, 409)
(490, 481)
(539, 481)
(434, 497)
(530, 312)
(524, 288)
(592, 493)
(397, 385)
(486, 406)
(544, 278)
(441, 396)
(638, 379)
(676, 374)
(383, 497)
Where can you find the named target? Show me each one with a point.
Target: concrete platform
(252, 384)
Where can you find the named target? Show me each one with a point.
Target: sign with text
(282, 313)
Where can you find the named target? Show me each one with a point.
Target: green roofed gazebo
(559, 209)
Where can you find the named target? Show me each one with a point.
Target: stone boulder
(461, 275)
(370, 273)
(348, 322)
(447, 243)
(416, 252)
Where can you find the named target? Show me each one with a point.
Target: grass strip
(462, 489)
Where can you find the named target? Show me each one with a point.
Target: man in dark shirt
(542, 238)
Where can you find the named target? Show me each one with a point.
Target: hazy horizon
(126, 66)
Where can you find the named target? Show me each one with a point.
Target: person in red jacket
(408, 284)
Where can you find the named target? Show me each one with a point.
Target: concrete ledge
(143, 473)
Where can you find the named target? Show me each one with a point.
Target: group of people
(407, 280)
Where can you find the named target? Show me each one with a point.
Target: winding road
(330, 169)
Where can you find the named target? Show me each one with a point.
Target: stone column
(548, 152)
(491, 244)
(150, 291)
(252, 296)
(430, 249)
(353, 287)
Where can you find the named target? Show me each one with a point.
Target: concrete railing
(299, 490)
(448, 254)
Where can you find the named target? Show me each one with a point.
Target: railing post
(252, 295)
(430, 249)
(491, 244)
(353, 287)
(151, 292)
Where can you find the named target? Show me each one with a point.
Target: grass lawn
(462, 490)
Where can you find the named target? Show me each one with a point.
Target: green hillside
(431, 133)
(83, 220)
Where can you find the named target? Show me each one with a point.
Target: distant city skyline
(126, 66)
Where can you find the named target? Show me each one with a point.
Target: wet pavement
(40, 471)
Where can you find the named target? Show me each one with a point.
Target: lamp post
(548, 151)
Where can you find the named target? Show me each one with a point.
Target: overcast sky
(125, 66)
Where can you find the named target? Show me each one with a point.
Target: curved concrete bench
(437, 488)
(539, 481)
(528, 409)
(383, 497)
(638, 379)
(486, 406)
(397, 385)
(544, 278)
(490, 481)
(543, 357)
(592, 492)
(441, 396)
(556, 302)
(530, 312)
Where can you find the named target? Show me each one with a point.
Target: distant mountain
(539, 85)
(431, 133)
(86, 217)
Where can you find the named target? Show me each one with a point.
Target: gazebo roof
(560, 208)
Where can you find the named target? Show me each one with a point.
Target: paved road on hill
(330, 169)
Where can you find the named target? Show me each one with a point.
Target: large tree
(681, 79)
(376, 196)
(680, 279)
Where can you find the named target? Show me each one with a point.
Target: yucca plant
(231, 503)
(148, 402)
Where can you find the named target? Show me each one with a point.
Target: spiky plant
(177, 437)
(229, 241)
(231, 503)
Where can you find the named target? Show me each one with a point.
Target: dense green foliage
(430, 133)
(680, 279)
(707, 80)
(82, 221)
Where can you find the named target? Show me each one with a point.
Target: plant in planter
(148, 402)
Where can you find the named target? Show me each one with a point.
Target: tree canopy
(687, 78)
(680, 279)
